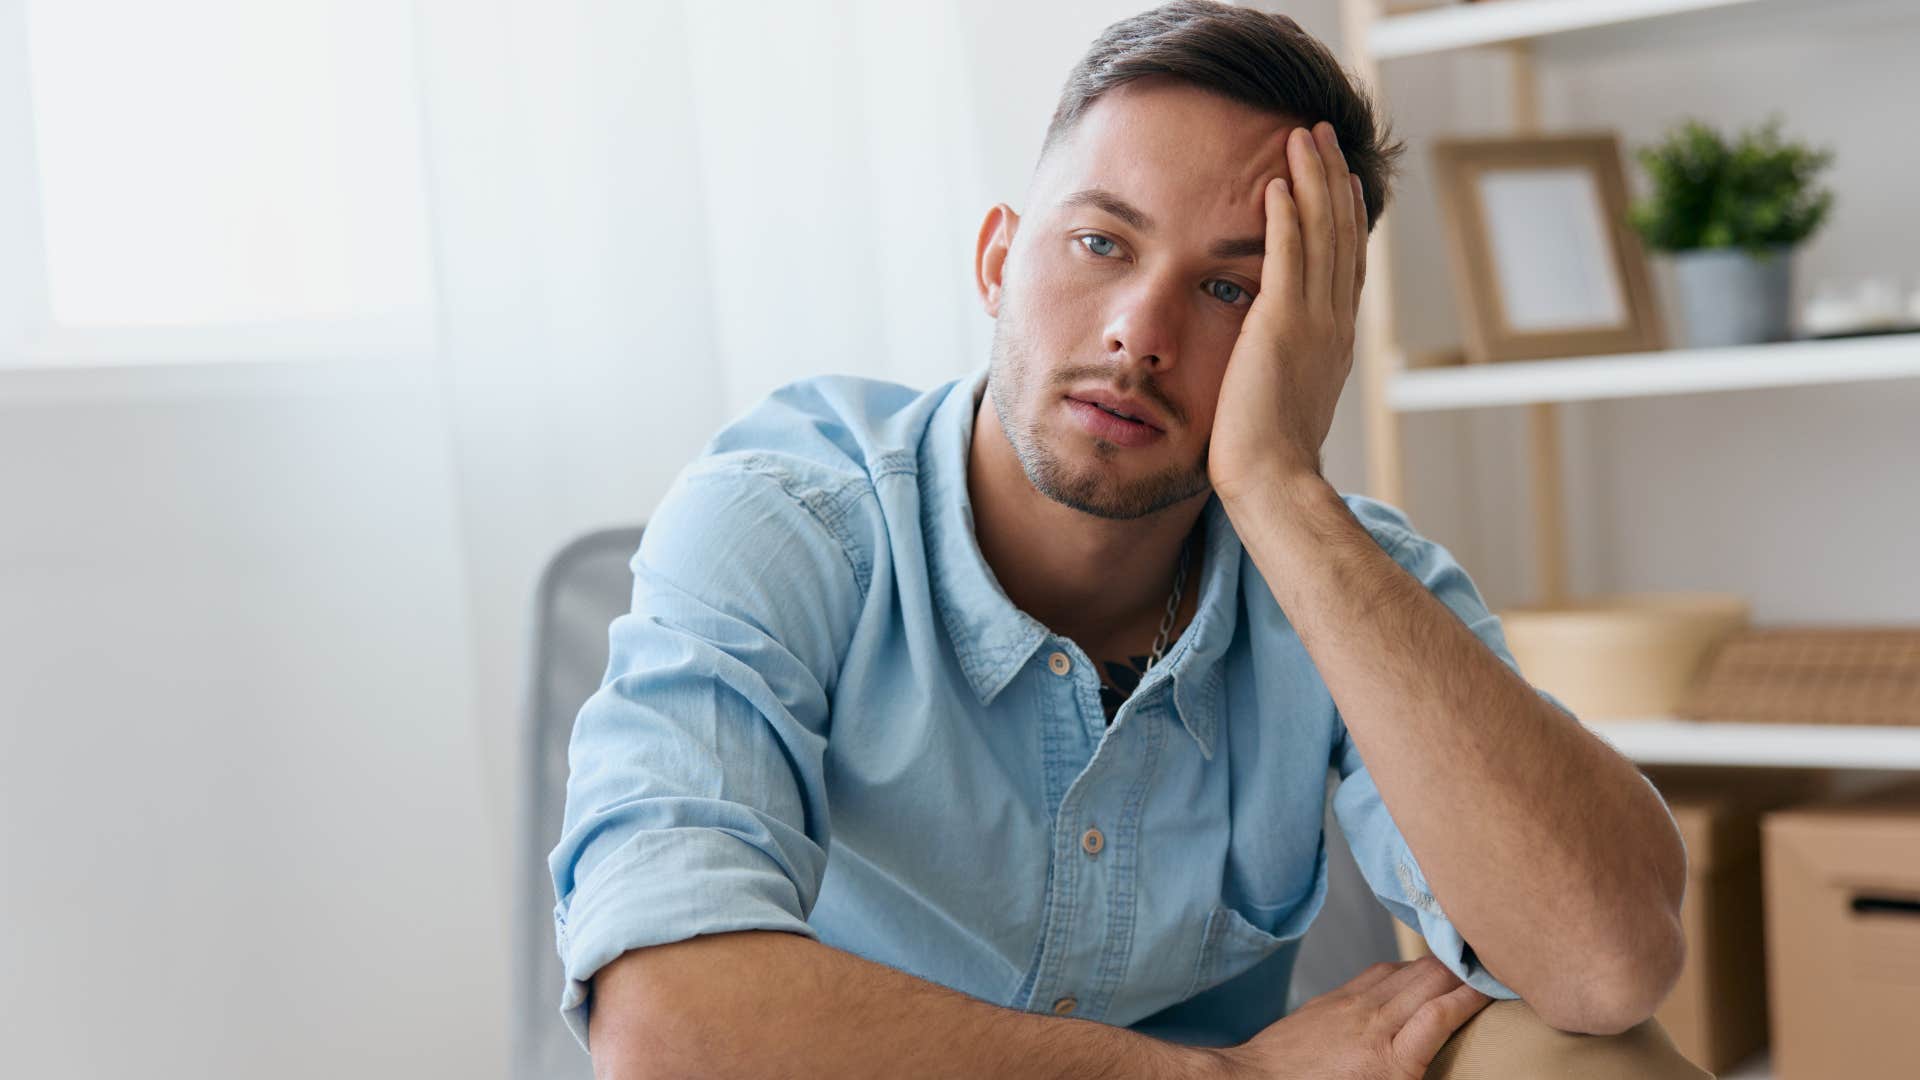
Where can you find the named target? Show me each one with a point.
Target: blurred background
(325, 323)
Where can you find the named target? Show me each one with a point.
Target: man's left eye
(1233, 298)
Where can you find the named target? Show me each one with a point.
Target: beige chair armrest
(1508, 1041)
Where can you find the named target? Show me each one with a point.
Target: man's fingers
(1403, 975)
(1364, 981)
(1427, 979)
(1316, 218)
(1341, 207)
(1280, 269)
(1361, 236)
(1417, 1041)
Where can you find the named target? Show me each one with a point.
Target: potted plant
(1731, 217)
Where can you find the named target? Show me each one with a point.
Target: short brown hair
(1254, 57)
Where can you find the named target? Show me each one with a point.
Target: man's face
(1130, 276)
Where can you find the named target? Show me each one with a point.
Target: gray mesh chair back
(583, 588)
(1352, 930)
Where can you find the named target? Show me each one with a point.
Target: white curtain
(649, 214)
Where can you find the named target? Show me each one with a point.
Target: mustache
(1146, 388)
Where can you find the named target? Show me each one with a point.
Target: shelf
(1462, 26)
(1677, 371)
(1668, 741)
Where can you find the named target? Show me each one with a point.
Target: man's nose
(1145, 322)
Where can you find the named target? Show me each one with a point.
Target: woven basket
(1620, 657)
(1806, 675)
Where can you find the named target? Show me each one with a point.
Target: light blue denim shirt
(824, 716)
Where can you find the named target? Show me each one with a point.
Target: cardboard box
(1717, 1013)
(1843, 937)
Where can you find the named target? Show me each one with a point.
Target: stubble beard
(1091, 488)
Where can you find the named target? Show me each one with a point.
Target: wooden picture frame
(1544, 262)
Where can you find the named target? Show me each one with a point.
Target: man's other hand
(1386, 1024)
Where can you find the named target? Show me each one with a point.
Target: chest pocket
(1233, 942)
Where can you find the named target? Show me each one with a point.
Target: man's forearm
(772, 1004)
(1548, 851)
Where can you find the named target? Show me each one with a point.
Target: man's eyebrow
(1107, 202)
(1241, 247)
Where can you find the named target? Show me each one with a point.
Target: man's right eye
(1097, 238)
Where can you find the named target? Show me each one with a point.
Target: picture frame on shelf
(1544, 262)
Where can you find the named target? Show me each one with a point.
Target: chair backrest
(584, 587)
(1352, 930)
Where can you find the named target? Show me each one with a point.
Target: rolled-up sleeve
(696, 800)
(1378, 846)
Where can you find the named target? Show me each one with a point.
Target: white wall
(239, 790)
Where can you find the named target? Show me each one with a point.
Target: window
(226, 177)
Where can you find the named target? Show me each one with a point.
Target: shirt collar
(993, 639)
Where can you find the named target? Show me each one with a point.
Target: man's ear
(990, 255)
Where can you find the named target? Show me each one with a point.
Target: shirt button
(1060, 662)
(1091, 841)
(1064, 1005)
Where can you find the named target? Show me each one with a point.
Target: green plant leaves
(1757, 193)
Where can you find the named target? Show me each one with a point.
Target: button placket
(1085, 695)
(1132, 774)
(1080, 895)
(1076, 953)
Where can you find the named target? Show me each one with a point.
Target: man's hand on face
(1295, 347)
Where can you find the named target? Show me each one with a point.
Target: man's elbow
(1609, 997)
(638, 1013)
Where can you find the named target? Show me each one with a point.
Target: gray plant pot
(1728, 297)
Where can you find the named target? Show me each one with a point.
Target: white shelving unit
(1672, 741)
(1679, 371)
(1495, 23)
(1390, 390)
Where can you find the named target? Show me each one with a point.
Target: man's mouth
(1115, 410)
(1114, 425)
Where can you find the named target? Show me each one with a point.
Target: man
(945, 722)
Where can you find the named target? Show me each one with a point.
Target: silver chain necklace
(1173, 610)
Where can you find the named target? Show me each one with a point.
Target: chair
(583, 588)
